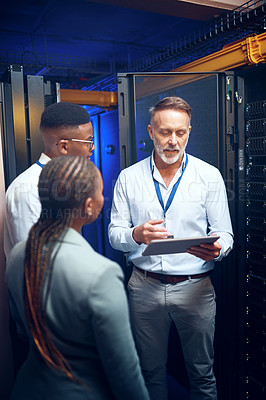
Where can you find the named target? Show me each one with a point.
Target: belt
(171, 278)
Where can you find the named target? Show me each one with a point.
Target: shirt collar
(156, 174)
(44, 159)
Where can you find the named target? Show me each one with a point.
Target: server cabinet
(252, 231)
(106, 158)
(22, 100)
(213, 139)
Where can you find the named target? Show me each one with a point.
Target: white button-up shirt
(23, 207)
(199, 208)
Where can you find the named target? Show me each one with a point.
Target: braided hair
(64, 185)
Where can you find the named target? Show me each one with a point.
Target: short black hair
(64, 114)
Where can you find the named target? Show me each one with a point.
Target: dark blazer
(87, 314)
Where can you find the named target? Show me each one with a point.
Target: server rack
(214, 139)
(255, 206)
(251, 233)
(22, 100)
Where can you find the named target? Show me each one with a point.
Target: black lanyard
(173, 191)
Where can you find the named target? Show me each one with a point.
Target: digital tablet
(171, 246)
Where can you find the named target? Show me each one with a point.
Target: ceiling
(80, 43)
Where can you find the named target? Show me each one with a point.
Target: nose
(173, 139)
(92, 147)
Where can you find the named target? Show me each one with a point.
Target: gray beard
(169, 160)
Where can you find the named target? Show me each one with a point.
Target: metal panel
(137, 92)
(51, 93)
(106, 158)
(240, 234)
(19, 120)
(110, 168)
(35, 109)
(21, 108)
(127, 128)
(8, 143)
(200, 91)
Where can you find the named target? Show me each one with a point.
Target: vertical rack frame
(19, 119)
(240, 232)
(35, 91)
(127, 117)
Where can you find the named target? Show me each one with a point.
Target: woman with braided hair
(69, 300)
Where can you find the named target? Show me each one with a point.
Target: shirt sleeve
(113, 336)
(218, 215)
(121, 228)
(23, 209)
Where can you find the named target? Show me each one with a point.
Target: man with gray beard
(172, 194)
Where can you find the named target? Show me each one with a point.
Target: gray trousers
(191, 305)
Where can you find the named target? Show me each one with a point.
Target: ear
(150, 131)
(63, 147)
(88, 207)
